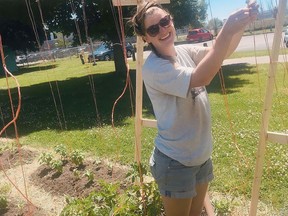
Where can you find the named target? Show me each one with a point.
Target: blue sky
(223, 8)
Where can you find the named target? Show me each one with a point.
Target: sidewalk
(244, 60)
(252, 60)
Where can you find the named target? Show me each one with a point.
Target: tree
(215, 24)
(15, 26)
(101, 17)
(15, 32)
(202, 11)
(188, 12)
(65, 16)
(84, 18)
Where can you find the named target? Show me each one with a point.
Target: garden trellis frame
(266, 135)
(139, 120)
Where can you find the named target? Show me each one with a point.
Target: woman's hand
(238, 20)
(225, 43)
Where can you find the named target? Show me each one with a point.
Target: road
(247, 44)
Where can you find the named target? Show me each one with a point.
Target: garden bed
(47, 188)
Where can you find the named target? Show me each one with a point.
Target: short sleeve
(161, 75)
(197, 53)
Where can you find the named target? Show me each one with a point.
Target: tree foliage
(98, 24)
(215, 24)
(15, 26)
(96, 19)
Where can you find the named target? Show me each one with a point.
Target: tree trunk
(119, 61)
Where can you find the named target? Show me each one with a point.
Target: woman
(175, 78)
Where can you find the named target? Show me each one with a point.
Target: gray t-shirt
(183, 116)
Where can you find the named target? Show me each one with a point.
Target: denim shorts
(176, 180)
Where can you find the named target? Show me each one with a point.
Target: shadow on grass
(231, 77)
(40, 110)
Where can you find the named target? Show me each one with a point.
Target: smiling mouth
(165, 37)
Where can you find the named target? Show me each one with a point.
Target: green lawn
(88, 127)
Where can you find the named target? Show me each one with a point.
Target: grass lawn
(82, 104)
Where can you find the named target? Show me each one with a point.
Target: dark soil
(72, 181)
(11, 158)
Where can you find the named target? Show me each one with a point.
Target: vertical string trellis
(34, 26)
(15, 115)
(90, 76)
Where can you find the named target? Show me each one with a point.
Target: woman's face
(160, 30)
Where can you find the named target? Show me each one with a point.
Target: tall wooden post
(265, 135)
(139, 121)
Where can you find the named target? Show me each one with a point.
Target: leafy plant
(142, 199)
(21, 205)
(97, 161)
(153, 200)
(3, 148)
(222, 207)
(110, 168)
(45, 158)
(76, 173)
(89, 175)
(57, 165)
(97, 203)
(74, 207)
(5, 188)
(62, 151)
(3, 202)
(138, 199)
(136, 171)
(77, 157)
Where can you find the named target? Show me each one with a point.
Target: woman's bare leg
(186, 207)
(208, 206)
(176, 206)
(198, 201)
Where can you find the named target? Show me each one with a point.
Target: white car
(286, 38)
(20, 59)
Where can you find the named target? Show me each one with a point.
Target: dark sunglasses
(153, 30)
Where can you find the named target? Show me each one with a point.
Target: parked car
(20, 59)
(286, 38)
(104, 52)
(199, 35)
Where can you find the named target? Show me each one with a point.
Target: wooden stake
(267, 106)
(139, 97)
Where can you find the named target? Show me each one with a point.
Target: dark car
(286, 38)
(199, 35)
(104, 52)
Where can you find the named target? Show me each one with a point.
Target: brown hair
(139, 17)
